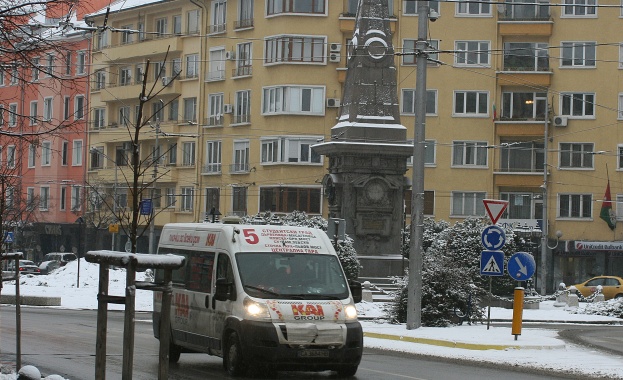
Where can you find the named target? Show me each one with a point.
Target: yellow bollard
(517, 311)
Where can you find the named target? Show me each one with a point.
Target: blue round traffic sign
(521, 266)
(493, 238)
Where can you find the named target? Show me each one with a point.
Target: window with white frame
(76, 154)
(410, 7)
(173, 154)
(471, 103)
(577, 104)
(64, 153)
(274, 7)
(68, 63)
(66, 106)
(176, 67)
(100, 80)
(46, 153)
(621, 52)
(12, 114)
(141, 30)
(216, 66)
(576, 155)
(192, 65)
(619, 206)
(474, 8)
(34, 111)
(212, 198)
(124, 116)
(472, 53)
(10, 157)
(242, 107)
(170, 197)
(174, 113)
(245, 14)
(30, 198)
(99, 118)
(161, 27)
(160, 70)
(215, 109)
(188, 196)
(157, 111)
(32, 155)
(192, 21)
(190, 109)
(578, 54)
(244, 59)
(290, 150)
(241, 157)
(36, 70)
(76, 198)
(2, 115)
(408, 102)
(213, 157)
(125, 76)
(79, 107)
(409, 48)
(188, 153)
(295, 49)
(44, 198)
(49, 65)
(47, 109)
(63, 198)
(579, 8)
(81, 62)
(578, 206)
(97, 157)
(467, 203)
(218, 16)
(306, 100)
(126, 36)
(9, 197)
(430, 153)
(177, 25)
(14, 75)
(469, 153)
(139, 73)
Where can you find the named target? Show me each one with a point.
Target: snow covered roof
(124, 5)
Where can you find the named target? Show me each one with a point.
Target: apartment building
(524, 103)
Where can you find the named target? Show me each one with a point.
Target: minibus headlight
(351, 312)
(256, 309)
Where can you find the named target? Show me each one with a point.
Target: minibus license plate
(313, 354)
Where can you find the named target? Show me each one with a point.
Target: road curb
(463, 345)
(27, 300)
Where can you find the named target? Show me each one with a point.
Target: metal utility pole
(544, 227)
(414, 300)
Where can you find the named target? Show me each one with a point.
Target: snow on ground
(538, 348)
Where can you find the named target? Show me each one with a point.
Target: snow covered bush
(611, 308)
(345, 249)
(451, 272)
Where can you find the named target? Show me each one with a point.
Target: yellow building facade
(249, 86)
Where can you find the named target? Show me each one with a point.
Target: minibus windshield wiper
(266, 291)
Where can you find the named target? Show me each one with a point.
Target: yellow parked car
(611, 286)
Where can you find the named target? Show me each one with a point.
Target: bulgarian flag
(606, 209)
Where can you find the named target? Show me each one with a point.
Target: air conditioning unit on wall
(333, 102)
(335, 50)
(228, 108)
(230, 55)
(560, 121)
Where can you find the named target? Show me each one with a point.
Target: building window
(580, 8)
(139, 71)
(188, 196)
(299, 49)
(239, 200)
(524, 105)
(192, 21)
(100, 80)
(13, 114)
(212, 198)
(293, 150)
(64, 153)
(97, 157)
(241, 157)
(68, 63)
(157, 111)
(467, 203)
(219, 16)
(522, 206)
(124, 116)
(469, 153)
(34, 110)
(578, 54)
(177, 25)
(288, 199)
(161, 27)
(126, 36)
(75, 198)
(171, 198)
(174, 110)
(242, 108)
(44, 198)
(30, 198)
(526, 56)
(141, 30)
(245, 14)
(99, 120)
(429, 202)
(36, 70)
(408, 51)
(472, 53)
(81, 62)
(173, 154)
(576, 155)
(14, 75)
(521, 156)
(46, 153)
(244, 62)
(216, 66)
(429, 153)
(293, 100)
(577, 104)
(188, 153)
(410, 7)
(66, 104)
(190, 109)
(275, 7)
(32, 155)
(473, 8)
(471, 103)
(49, 65)
(10, 157)
(215, 110)
(575, 205)
(79, 107)
(213, 157)
(125, 76)
(192, 66)
(408, 102)
(160, 70)
(76, 155)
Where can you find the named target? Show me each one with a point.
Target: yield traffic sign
(495, 208)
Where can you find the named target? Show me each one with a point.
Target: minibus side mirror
(223, 289)
(355, 289)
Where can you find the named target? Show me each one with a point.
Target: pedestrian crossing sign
(492, 263)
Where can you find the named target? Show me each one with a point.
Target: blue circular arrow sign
(521, 266)
(493, 238)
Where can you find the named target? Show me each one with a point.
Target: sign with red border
(495, 208)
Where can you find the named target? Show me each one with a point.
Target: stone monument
(368, 150)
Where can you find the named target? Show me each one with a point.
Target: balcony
(242, 71)
(525, 11)
(244, 23)
(216, 75)
(210, 169)
(214, 121)
(217, 28)
(142, 48)
(239, 168)
(242, 119)
(117, 92)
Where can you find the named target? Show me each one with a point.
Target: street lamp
(94, 150)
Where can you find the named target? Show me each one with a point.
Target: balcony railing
(242, 119)
(218, 28)
(518, 11)
(239, 168)
(511, 170)
(245, 23)
(214, 121)
(215, 75)
(242, 71)
(212, 168)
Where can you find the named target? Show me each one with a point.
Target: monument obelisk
(368, 150)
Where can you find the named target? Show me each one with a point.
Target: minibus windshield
(291, 275)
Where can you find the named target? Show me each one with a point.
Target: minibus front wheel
(233, 359)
